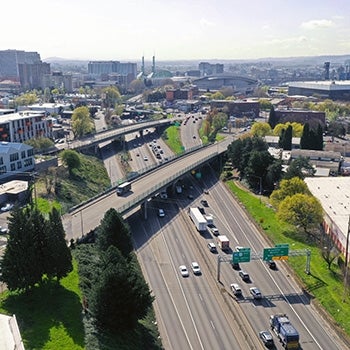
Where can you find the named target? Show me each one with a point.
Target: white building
(334, 196)
(15, 158)
(26, 125)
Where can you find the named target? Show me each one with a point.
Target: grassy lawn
(323, 284)
(173, 139)
(50, 316)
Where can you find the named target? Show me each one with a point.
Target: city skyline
(179, 30)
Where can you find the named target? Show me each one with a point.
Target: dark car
(235, 266)
(204, 203)
(201, 209)
(266, 338)
(271, 264)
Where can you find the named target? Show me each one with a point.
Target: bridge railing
(137, 200)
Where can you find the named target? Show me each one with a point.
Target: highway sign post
(279, 252)
(242, 256)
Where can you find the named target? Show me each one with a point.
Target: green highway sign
(242, 256)
(279, 252)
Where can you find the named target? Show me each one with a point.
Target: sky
(126, 30)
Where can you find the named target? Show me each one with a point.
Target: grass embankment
(85, 182)
(173, 139)
(50, 317)
(323, 284)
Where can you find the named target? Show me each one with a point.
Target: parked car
(7, 207)
(266, 338)
(204, 203)
(244, 275)
(255, 292)
(161, 213)
(195, 268)
(184, 271)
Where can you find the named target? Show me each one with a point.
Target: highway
(88, 217)
(199, 312)
(203, 311)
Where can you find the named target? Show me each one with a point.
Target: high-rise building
(104, 68)
(24, 67)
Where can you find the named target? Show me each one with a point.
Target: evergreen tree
(19, 266)
(120, 296)
(304, 140)
(319, 137)
(114, 231)
(281, 139)
(287, 141)
(272, 118)
(60, 259)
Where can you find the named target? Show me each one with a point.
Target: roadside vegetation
(77, 179)
(172, 138)
(323, 284)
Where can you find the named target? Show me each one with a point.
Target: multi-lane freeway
(198, 312)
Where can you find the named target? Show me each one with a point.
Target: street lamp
(346, 261)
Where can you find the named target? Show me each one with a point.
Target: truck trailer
(223, 242)
(198, 219)
(285, 331)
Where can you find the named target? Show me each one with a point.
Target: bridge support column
(144, 210)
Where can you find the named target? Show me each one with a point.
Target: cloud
(205, 23)
(317, 24)
(287, 41)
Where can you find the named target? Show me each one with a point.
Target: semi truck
(285, 331)
(223, 242)
(123, 188)
(198, 219)
(210, 219)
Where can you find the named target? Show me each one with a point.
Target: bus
(123, 188)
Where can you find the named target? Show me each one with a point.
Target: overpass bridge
(86, 217)
(112, 134)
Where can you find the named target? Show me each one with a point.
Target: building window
(19, 165)
(30, 152)
(13, 166)
(28, 162)
(14, 157)
(23, 154)
(1, 160)
(3, 169)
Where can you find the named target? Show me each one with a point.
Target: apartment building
(15, 158)
(22, 126)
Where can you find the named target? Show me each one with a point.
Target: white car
(145, 158)
(161, 213)
(7, 207)
(255, 292)
(195, 268)
(184, 271)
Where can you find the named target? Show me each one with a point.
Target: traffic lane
(209, 325)
(158, 268)
(282, 290)
(210, 317)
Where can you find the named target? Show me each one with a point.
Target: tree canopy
(36, 248)
(110, 277)
(301, 210)
(82, 123)
(71, 159)
(288, 188)
(261, 129)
